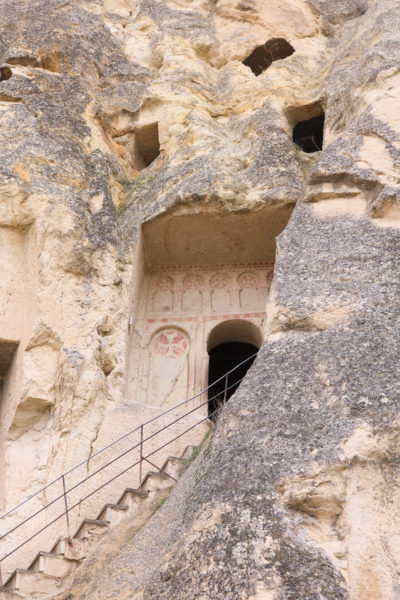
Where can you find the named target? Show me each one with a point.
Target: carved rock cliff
(114, 113)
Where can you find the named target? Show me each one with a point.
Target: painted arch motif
(168, 367)
(192, 297)
(163, 295)
(252, 293)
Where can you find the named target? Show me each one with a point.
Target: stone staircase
(49, 572)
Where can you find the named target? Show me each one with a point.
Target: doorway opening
(223, 358)
(231, 345)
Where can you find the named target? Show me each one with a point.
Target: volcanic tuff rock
(296, 496)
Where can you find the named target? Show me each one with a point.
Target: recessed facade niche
(263, 56)
(195, 271)
(5, 73)
(147, 145)
(307, 124)
(309, 135)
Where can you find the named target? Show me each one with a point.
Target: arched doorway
(231, 345)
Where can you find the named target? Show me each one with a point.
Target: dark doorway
(309, 135)
(223, 358)
(263, 56)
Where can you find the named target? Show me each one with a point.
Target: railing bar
(147, 439)
(141, 456)
(163, 414)
(136, 463)
(110, 480)
(32, 536)
(66, 508)
(70, 508)
(190, 412)
(179, 435)
(30, 497)
(103, 485)
(114, 460)
(203, 391)
(31, 516)
(124, 436)
(158, 468)
(91, 494)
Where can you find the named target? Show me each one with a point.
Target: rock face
(116, 113)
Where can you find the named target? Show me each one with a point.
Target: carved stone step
(91, 529)
(26, 581)
(112, 514)
(59, 546)
(72, 549)
(173, 466)
(46, 572)
(52, 564)
(156, 481)
(132, 498)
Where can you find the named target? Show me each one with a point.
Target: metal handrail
(124, 436)
(142, 458)
(65, 513)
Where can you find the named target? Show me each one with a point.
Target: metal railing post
(141, 456)
(226, 387)
(66, 507)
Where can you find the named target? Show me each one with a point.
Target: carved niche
(220, 293)
(192, 297)
(168, 367)
(163, 295)
(252, 291)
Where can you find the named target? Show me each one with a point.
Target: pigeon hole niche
(194, 271)
(263, 56)
(5, 73)
(146, 145)
(307, 124)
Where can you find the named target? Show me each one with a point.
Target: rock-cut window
(263, 56)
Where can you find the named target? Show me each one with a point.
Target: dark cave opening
(223, 358)
(263, 56)
(309, 134)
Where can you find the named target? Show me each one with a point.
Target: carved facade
(176, 310)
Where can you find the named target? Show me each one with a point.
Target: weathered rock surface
(296, 496)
